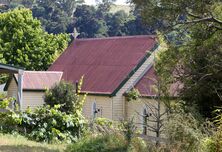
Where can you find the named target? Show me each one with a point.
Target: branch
(200, 18)
(205, 19)
(192, 15)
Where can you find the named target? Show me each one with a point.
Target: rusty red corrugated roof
(104, 62)
(40, 80)
(147, 83)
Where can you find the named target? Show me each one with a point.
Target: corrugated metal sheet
(104, 62)
(146, 84)
(40, 80)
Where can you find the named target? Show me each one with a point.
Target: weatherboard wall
(135, 111)
(119, 107)
(104, 103)
(32, 99)
(12, 89)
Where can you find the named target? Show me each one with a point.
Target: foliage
(55, 15)
(3, 95)
(88, 24)
(50, 124)
(128, 130)
(101, 143)
(213, 143)
(107, 143)
(183, 130)
(133, 94)
(60, 16)
(63, 93)
(24, 43)
(103, 122)
(99, 22)
(193, 31)
(46, 123)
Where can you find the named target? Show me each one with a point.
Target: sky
(92, 2)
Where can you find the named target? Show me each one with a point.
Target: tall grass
(17, 143)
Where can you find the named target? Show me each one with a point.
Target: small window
(145, 117)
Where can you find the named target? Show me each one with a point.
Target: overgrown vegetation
(64, 94)
(46, 123)
(192, 31)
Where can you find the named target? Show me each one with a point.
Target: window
(145, 117)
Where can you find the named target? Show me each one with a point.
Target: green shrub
(107, 143)
(101, 126)
(103, 122)
(138, 145)
(9, 119)
(133, 94)
(63, 93)
(47, 124)
(213, 143)
(183, 131)
(98, 144)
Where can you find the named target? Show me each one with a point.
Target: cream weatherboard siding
(104, 103)
(32, 99)
(12, 89)
(119, 109)
(135, 111)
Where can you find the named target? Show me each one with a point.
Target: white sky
(92, 2)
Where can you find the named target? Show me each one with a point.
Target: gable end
(135, 69)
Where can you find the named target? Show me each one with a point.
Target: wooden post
(20, 86)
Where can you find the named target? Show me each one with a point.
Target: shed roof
(39, 80)
(104, 62)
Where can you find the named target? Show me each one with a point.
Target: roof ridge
(116, 37)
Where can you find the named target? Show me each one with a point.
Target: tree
(135, 25)
(195, 57)
(116, 22)
(24, 43)
(55, 15)
(88, 24)
(66, 95)
(155, 112)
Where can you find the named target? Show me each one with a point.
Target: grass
(17, 143)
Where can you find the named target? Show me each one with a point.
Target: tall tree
(196, 58)
(116, 23)
(136, 26)
(24, 43)
(55, 15)
(88, 24)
